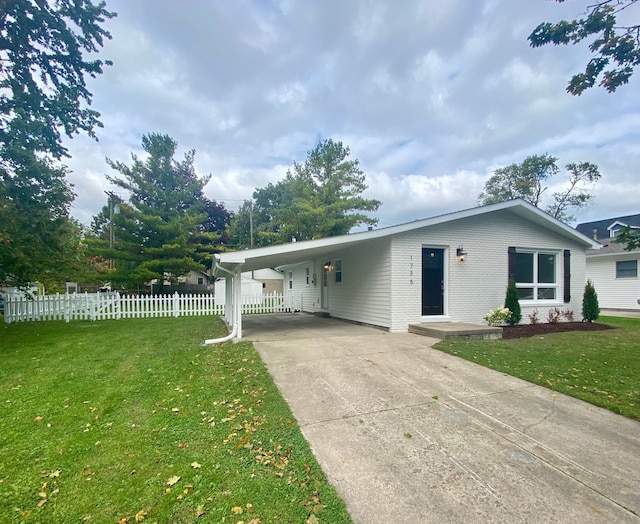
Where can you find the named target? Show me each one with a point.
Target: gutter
(234, 331)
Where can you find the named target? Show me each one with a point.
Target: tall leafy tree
(318, 198)
(528, 180)
(38, 239)
(42, 94)
(160, 232)
(615, 48)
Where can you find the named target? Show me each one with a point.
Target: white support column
(228, 299)
(238, 300)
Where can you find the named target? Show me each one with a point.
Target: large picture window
(536, 275)
(627, 269)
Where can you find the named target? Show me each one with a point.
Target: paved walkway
(408, 434)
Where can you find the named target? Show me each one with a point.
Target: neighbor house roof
(295, 252)
(602, 227)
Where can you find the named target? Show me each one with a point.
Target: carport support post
(238, 300)
(228, 299)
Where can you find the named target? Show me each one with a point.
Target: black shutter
(512, 263)
(567, 276)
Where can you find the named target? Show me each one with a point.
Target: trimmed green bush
(512, 303)
(590, 307)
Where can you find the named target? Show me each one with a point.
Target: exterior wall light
(327, 265)
(461, 254)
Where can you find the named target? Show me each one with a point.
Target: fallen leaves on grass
(173, 480)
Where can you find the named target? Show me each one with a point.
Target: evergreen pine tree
(590, 307)
(512, 303)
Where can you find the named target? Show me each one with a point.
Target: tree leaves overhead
(42, 71)
(319, 198)
(42, 91)
(616, 49)
(528, 181)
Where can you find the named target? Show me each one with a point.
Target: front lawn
(134, 420)
(600, 367)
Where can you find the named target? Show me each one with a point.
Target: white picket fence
(104, 306)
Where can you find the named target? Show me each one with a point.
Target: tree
(42, 71)
(160, 232)
(38, 239)
(42, 91)
(590, 307)
(527, 181)
(628, 236)
(616, 49)
(512, 303)
(319, 198)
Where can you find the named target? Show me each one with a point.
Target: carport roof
(297, 252)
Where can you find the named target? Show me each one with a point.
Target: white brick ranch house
(453, 267)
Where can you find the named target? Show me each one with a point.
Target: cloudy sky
(430, 96)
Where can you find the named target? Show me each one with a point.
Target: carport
(410, 434)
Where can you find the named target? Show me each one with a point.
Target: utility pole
(113, 209)
(251, 224)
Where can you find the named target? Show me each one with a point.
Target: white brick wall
(479, 284)
(377, 283)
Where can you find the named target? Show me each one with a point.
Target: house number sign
(410, 269)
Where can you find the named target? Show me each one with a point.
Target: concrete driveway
(409, 434)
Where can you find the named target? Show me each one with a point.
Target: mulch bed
(532, 330)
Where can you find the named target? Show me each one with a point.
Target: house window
(627, 269)
(338, 271)
(290, 279)
(200, 281)
(307, 276)
(536, 275)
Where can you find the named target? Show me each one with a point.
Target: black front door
(432, 281)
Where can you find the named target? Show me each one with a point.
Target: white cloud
(429, 96)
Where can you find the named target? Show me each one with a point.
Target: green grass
(600, 367)
(134, 419)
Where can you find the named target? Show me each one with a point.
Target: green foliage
(590, 307)
(600, 367)
(38, 239)
(110, 420)
(43, 71)
(628, 236)
(528, 181)
(512, 303)
(321, 197)
(42, 90)
(163, 230)
(616, 49)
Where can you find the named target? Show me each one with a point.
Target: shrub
(512, 303)
(498, 317)
(590, 307)
(533, 317)
(553, 315)
(568, 315)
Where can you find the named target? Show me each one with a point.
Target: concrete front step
(444, 330)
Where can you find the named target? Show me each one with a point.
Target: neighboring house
(452, 267)
(250, 287)
(272, 280)
(603, 230)
(195, 278)
(612, 269)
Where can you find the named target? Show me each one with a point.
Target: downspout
(238, 312)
